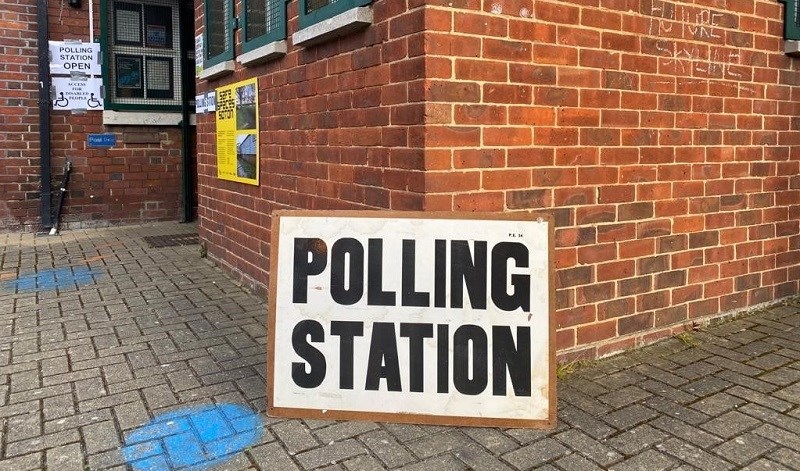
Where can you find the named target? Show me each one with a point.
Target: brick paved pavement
(114, 332)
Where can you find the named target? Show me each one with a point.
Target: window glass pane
(256, 18)
(217, 27)
(127, 23)
(314, 5)
(262, 17)
(159, 78)
(796, 12)
(158, 26)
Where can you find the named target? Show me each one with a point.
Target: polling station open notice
(434, 318)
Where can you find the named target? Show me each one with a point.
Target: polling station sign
(67, 57)
(437, 318)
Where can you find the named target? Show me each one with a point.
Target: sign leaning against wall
(237, 132)
(437, 318)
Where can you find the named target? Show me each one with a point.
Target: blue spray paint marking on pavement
(49, 280)
(192, 439)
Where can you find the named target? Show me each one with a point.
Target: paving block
(31, 462)
(706, 386)
(670, 408)
(478, 458)
(717, 404)
(650, 460)
(536, 454)
(624, 397)
(384, 446)
(789, 439)
(744, 448)
(42, 442)
(65, 458)
(492, 439)
(695, 456)
(362, 463)
(272, 456)
(344, 430)
(23, 426)
(629, 416)
(435, 444)
(131, 414)
(631, 442)
(685, 431)
(100, 436)
(438, 463)
(55, 403)
(766, 400)
(295, 436)
(587, 446)
(730, 424)
(577, 463)
(332, 453)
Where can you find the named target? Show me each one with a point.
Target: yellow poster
(237, 132)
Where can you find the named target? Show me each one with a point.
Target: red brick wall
(341, 128)
(663, 137)
(19, 122)
(138, 180)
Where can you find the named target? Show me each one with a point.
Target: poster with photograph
(129, 76)
(237, 132)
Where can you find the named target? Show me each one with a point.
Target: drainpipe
(186, 157)
(45, 206)
(187, 85)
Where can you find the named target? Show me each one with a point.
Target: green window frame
(263, 22)
(218, 29)
(315, 11)
(791, 19)
(141, 48)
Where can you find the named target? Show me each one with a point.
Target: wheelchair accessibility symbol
(61, 102)
(93, 102)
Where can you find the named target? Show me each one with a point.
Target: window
(218, 31)
(791, 19)
(264, 22)
(142, 68)
(314, 11)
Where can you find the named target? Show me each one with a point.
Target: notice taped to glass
(434, 318)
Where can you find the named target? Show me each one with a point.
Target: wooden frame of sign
(330, 291)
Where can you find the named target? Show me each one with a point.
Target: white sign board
(77, 94)
(412, 317)
(68, 57)
(198, 55)
(200, 105)
(211, 101)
